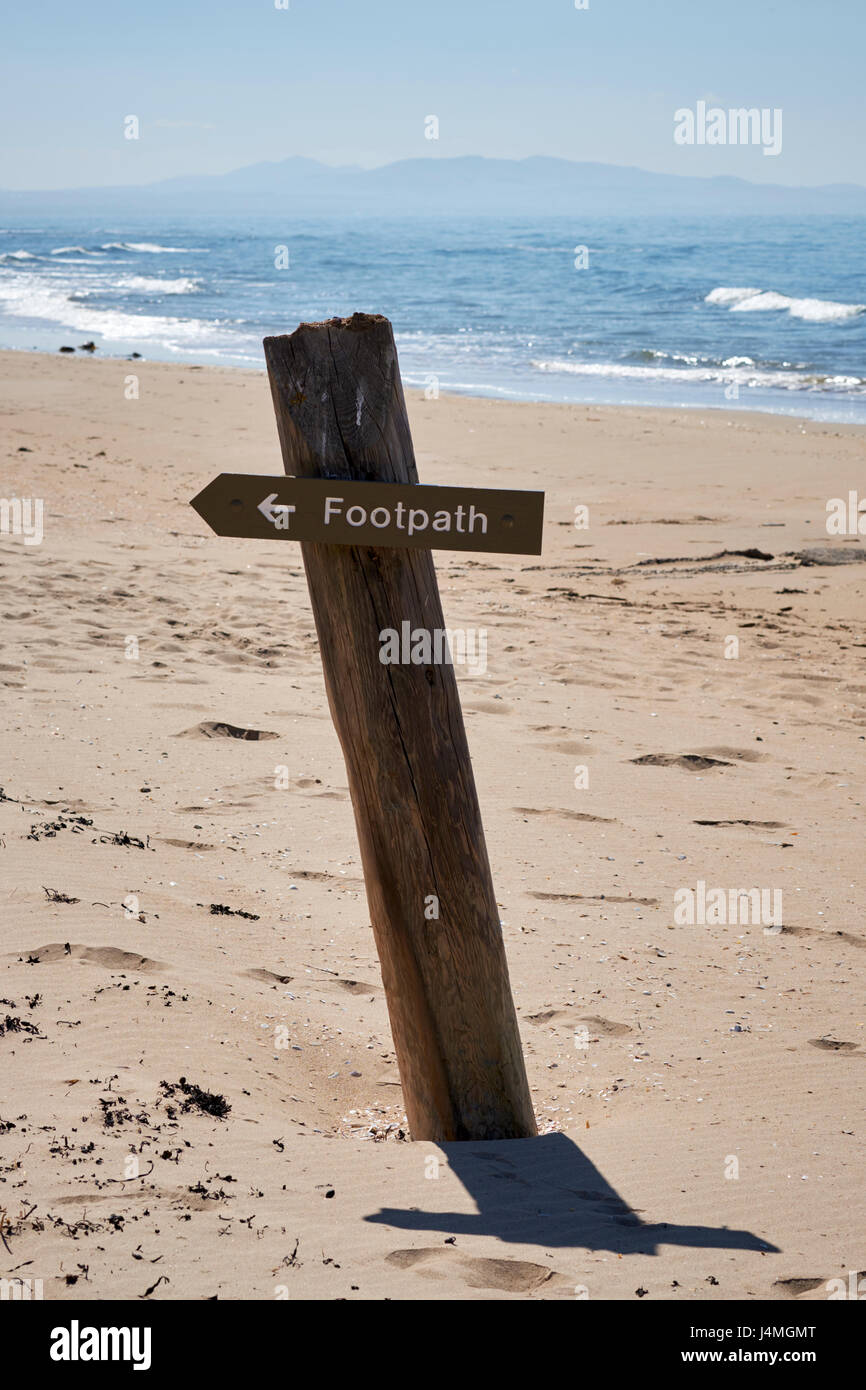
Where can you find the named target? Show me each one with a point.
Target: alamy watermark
(441, 646)
(707, 907)
(846, 518)
(77, 1343)
(20, 1290)
(854, 1289)
(739, 125)
(22, 516)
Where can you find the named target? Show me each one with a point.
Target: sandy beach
(198, 1091)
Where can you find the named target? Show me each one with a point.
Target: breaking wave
(749, 301)
(142, 284)
(737, 371)
(34, 296)
(151, 248)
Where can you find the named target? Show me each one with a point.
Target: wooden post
(341, 413)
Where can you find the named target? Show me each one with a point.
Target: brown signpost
(392, 514)
(342, 420)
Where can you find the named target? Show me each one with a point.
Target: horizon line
(436, 158)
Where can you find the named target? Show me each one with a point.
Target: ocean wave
(692, 359)
(723, 375)
(74, 251)
(149, 247)
(37, 296)
(18, 256)
(151, 284)
(747, 301)
(688, 359)
(135, 284)
(812, 310)
(729, 295)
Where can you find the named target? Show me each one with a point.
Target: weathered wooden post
(341, 414)
(367, 526)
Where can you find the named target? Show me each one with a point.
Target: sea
(756, 313)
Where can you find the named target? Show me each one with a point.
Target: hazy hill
(472, 185)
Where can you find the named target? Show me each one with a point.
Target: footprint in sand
(832, 1045)
(268, 977)
(326, 980)
(848, 937)
(794, 1287)
(691, 762)
(357, 987)
(561, 814)
(509, 1276)
(605, 1026)
(109, 956)
(210, 728)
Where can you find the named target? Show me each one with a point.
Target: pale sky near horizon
(223, 83)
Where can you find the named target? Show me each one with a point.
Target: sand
(699, 1088)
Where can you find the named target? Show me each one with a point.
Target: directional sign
(389, 514)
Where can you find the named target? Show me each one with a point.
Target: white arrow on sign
(278, 516)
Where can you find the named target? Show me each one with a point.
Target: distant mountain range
(471, 185)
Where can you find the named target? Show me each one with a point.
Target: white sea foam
(729, 295)
(149, 247)
(739, 375)
(74, 251)
(151, 284)
(749, 301)
(18, 256)
(133, 284)
(35, 296)
(657, 355)
(812, 310)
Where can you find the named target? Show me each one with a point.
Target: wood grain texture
(341, 413)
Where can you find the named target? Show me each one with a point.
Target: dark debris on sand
(195, 1098)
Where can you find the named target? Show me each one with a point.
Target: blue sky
(230, 82)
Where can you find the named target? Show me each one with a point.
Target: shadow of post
(546, 1192)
